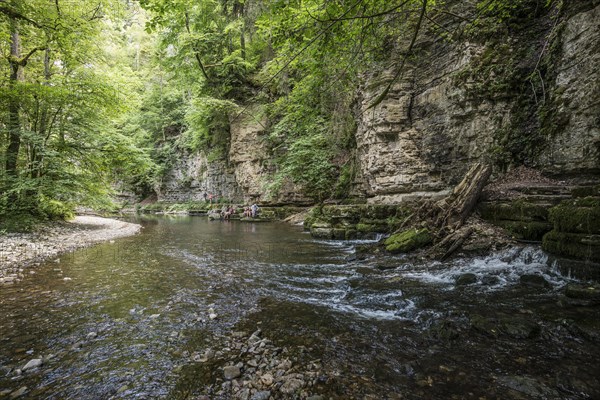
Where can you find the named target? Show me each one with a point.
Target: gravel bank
(22, 250)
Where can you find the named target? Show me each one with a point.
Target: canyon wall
(194, 175)
(529, 96)
(452, 107)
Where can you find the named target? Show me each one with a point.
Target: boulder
(408, 240)
(466, 279)
(534, 280)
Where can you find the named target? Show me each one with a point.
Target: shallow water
(120, 319)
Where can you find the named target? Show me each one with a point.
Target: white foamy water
(492, 272)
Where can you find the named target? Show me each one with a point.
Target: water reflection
(116, 320)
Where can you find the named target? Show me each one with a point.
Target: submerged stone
(583, 292)
(534, 280)
(528, 386)
(466, 279)
(520, 328)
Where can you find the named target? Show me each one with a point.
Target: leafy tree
(59, 106)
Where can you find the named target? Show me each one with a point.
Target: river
(129, 318)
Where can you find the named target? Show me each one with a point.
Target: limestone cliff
(525, 95)
(193, 176)
(453, 107)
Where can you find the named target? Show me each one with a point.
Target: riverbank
(19, 251)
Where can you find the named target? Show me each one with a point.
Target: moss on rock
(354, 221)
(518, 210)
(577, 216)
(409, 240)
(573, 245)
(526, 230)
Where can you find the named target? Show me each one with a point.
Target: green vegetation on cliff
(98, 96)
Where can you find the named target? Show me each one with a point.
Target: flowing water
(121, 319)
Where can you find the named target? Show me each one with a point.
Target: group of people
(249, 211)
(227, 212)
(252, 211)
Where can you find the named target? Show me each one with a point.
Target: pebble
(231, 372)
(291, 385)
(266, 379)
(254, 369)
(262, 395)
(18, 393)
(35, 363)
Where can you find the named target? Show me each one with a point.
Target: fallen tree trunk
(460, 204)
(443, 220)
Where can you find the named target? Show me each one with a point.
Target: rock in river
(35, 363)
(466, 279)
(231, 372)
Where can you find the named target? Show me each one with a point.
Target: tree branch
(11, 13)
(400, 70)
(302, 51)
(23, 61)
(362, 16)
(196, 52)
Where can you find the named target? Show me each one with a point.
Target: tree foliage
(61, 99)
(98, 94)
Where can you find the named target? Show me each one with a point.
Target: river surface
(122, 319)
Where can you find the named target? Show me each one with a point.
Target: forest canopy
(98, 97)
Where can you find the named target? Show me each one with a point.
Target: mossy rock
(517, 210)
(532, 230)
(577, 216)
(409, 240)
(344, 212)
(321, 232)
(466, 279)
(572, 245)
(379, 212)
(371, 228)
(586, 191)
(312, 216)
(339, 233)
(584, 292)
(373, 225)
(280, 212)
(351, 234)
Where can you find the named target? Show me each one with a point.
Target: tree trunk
(458, 206)
(14, 125)
(37, 155)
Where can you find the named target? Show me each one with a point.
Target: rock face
(194, 175)
(516, 96)
(575, 147)
(447, 111)
(425, 133)
(247, 153)
(576, 232)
